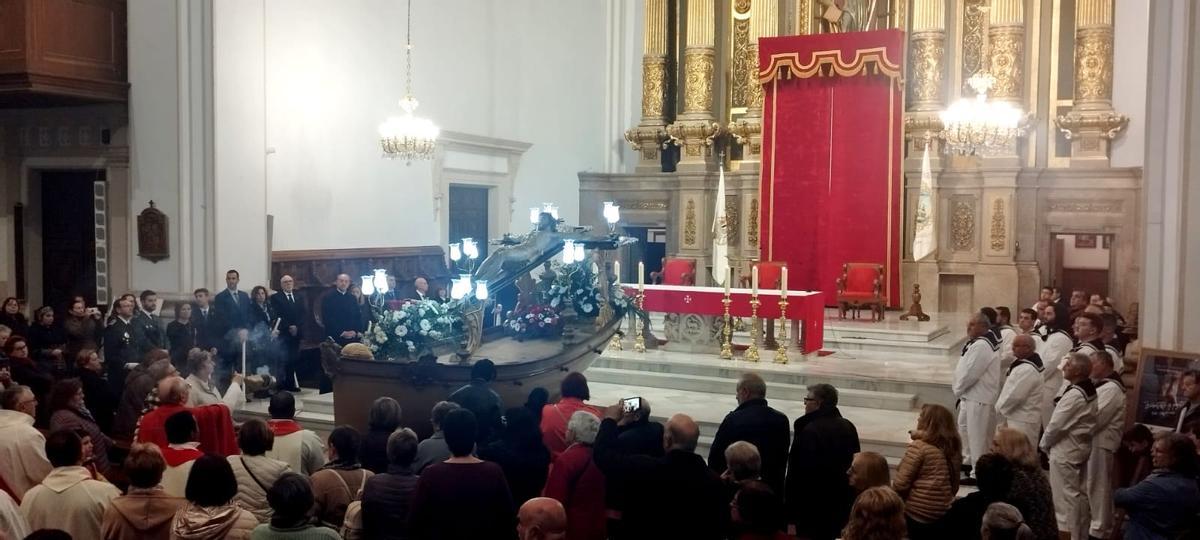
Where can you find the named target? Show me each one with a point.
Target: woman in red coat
(574, 390)
(577, 482)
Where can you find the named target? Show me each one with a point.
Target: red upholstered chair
(769, 274)
(675, 271)
(861, 285)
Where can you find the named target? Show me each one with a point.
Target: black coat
(372, 453)
(152, 334)
(181, 338)
(339, 313)
(818, 494)
(290, 313)
(758, 424)
(525, 469)
(386, 501)
(43, 339)
(487, 406)
(121, 346)
(642, 437)
(235, 315)
(99, 398)
(963, 519)
(210, 328)
(674, 496)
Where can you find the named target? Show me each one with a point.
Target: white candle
(243, 357)
(754, 279)
(728, 280)
(783, 286)
(641, 279)
(617, 272)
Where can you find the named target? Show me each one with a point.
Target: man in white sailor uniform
(1068, 441)
(1020, 403)
(1108, 335)
(1006, 331)
(1110, 419)
(1055, 342)
(1087, 334)
(976, 385)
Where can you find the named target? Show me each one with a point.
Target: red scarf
(284, 427)
(178, 456)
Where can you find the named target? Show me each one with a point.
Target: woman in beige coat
(211, 513)
(255, 472)
(146, 512)
(927, 478)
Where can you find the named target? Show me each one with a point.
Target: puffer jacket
(143, 514)
(255, 475)
(227, 522)
(925, 480)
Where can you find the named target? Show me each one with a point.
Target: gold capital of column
(1093, 65)
(699, 66)
(1007, 58)
(927, 53)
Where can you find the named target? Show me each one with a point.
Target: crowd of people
(157, 454)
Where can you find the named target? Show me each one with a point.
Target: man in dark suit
(818, 496)
(340, 315)
(420, 289)
(756, 423)
(674, 496)
(148, 323)
(122, 343)
(232, 304)
(290, 308)
(1190, 412)
(210, 331)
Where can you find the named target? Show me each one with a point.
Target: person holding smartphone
(83, 328)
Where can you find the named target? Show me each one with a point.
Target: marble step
(944, 347)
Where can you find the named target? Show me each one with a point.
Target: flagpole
(924, 237)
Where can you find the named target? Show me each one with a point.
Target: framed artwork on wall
(1106, 241)
(1085, 241)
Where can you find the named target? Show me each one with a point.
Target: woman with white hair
(1002, 521)
(577, 482)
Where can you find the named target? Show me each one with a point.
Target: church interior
(669, 197)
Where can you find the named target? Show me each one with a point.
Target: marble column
(695, 127)
(1092, 123)
(764, 22)
(648, 136)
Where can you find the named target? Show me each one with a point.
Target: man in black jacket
(675, 496)
(818, 495)
(210, 329)
(340, 314)
(290, 307)
(122, 345)
(148, 323)
(756, 423)
(232, 304)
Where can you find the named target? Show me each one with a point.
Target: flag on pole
(924, 242)
(720, 245)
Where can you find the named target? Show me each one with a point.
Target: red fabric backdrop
(832, 135)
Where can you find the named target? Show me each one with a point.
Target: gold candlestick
(727, 331)
(752, 350)
(614, 344)
(781, 351)
(639, 341)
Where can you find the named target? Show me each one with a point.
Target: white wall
(525, 70)
(1097, 258)
(1131, 24)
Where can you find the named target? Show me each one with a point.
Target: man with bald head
(292, 311)
(340, 314)
(674, 496)
(215, 422)
(541, 518)
(757, 423)
(977, 385)
(1020, 402)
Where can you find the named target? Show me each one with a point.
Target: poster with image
(1159, 389)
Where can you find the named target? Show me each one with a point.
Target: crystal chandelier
(408, 137)
(981, 126)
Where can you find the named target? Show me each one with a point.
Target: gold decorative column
(648, 136)
(1092, 123)
(926, 85)
(1006, 50)
(695, 127)
(763, 17)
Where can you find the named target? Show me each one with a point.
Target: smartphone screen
(631, 404)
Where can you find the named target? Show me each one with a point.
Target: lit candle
(243, 357)
(783, 286)
(641, 280)
(754, 280)
(728, 280)
(617, 272)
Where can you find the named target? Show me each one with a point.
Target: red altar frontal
(807, 307)
(832, 147)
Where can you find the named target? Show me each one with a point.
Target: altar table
(807, 307)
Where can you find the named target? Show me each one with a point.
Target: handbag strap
(361, 485)
(251, 473)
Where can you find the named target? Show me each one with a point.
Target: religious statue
(850, 15)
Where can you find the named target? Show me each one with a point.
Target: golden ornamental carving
(805, 17)
(731, 220)
(647, 140)
(698, 69)
(1007, 45)
(654, 75)
(1104, 206)
(752, 223)
(745, 130)
(741, 6)
(999, 230)
(1107, 124)
(973, 22)
(918, 124)
(873, 60)
(689, 227)
(745, 65)
(927, 52)
(1093, 64)
(962, 224)
(643, 205)
(696, 137)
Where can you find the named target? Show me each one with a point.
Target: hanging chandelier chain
(408, 55)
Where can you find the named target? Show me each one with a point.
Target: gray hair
(583, 426)
(4, 329)
(743, 460)
(753, 384)
(1003, 520)
(825, 393)
(402, 447)
(440, 411)
(12, 396)
(1081, 361)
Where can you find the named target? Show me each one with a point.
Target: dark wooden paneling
(1092, 281)
(319, 268)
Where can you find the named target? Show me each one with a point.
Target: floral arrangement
(533, 322)
(412, 329)
(577, 282)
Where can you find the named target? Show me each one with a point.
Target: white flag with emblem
(923, 236)
(720, 245)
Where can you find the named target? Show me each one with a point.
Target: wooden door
(469, 215)
(68, 237)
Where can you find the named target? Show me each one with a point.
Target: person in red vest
(181, 452)
(214, 422)
(574, 391)
(300, 448)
